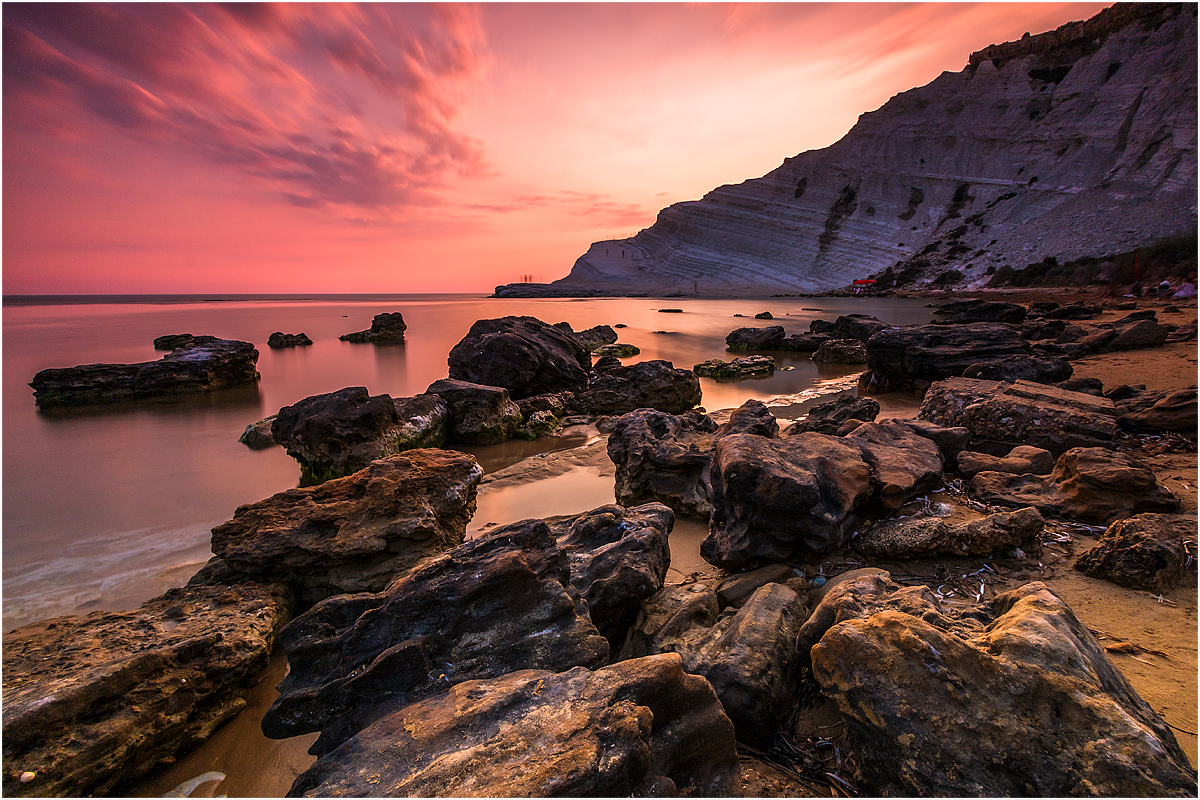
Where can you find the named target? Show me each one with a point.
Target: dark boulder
(841, 351)
(385, 328)
(827, 417)
(934, 352)
(205, 365)
(904, 464)
(1026, 368)
(1152, 412)
(649, 384)
(1010, 698)
(354, 534)
(491, 606)
(93, 702)
(557, 403)
(522, 354)
(337, 434)
(748, 339)
(279, 339)
(950, 441)
(764, 315)
(774, 499)
(970, 311)
(618, 350)
(1145, 551)
(1089, 484)
(618, 557)
(1135, 335)
(640, 728)
(849, 326)
(478, 414)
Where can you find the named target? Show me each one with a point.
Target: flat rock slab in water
(204, 365)
(91, 702)
(748, 367)
(641, 728)
(386, 328)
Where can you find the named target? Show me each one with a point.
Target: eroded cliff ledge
(1072, 143)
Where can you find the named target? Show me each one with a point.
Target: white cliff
(1077, 142)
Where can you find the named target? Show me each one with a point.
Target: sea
(107, 507)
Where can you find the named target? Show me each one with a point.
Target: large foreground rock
(478, 414)
(904, 464)
(354, 534)
(522, 354)
(641, 728)
(1013, 698)
(95, 701)
(387, 328)
(1001, 416)
(747, 653)
(649, 384)
(1153, 412)
(1089, 484)
(202, 365)
(336, 434)
(1145, 551)
(493, 605)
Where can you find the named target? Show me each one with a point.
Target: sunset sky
(419, 148)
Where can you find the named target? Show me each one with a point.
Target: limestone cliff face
(1077, 142)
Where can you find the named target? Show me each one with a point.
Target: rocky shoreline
(842, 536)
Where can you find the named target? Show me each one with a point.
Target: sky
(405, 148)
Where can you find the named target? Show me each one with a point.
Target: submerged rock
(1014, 697)
(205, 364)
(747, 367)
(385, 328)
(618, 350)
(523, 355)
(279, 339)
(257, 435)
(93, 702)
(354, 534)
(841, 351)
(641, 728)
(174, 341)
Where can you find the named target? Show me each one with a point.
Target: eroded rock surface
(478, 414)
(354, 534)
(493, 605)
(642, 728)
(279, 339)
(924, 537)
(935, 352)
(1089, 484)
(829, 416)
(336, 434)
(903, 463)
(747, 653)
(1145, 551)
(747, 367)
(1021, 460)
(1001, 416)
(92, 702)
(1014, 697)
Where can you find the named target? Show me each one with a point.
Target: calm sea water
(106, 509)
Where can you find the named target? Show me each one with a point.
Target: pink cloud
(326, 106)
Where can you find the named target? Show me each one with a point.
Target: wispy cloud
(348, 106)
(600, 210)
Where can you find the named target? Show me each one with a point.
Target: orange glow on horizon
(420, 148)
